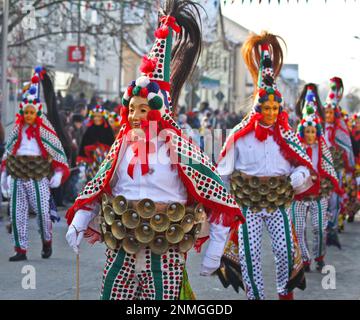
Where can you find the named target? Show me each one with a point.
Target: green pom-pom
(333, 86)
(21, 112)
(136, 91)
(310, 110)
(125, 102)
(39, 113)
(309, 123)
(156, 103)
(270, 91)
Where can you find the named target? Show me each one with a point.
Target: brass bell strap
(28, 167)
(259, 193)
(136, 224)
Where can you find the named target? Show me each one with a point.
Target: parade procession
(179, 150)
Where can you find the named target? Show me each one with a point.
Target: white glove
(212, 257)
(358, 181)
(77, 228)
(5, 184)
(55, 180)
(297, 179)
(82, 172)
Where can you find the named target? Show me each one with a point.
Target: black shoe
(307, 268)
(350, 219)
(320, 265)
(333, 239)
(46, 251)
(18, 257)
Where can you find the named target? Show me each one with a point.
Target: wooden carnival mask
(329, 115)
(138, 111)
(270, 110)
(30, 115)
(310, 135)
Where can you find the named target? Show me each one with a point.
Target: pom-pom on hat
(98, 110)
(310, 108)
(31, 92)
(335, 94)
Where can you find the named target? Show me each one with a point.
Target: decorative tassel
(148, 65)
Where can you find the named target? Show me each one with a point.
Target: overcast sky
(319, 36)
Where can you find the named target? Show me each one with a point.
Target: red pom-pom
(162, 32)
(154, 115)
(148, 65)
(332, 96)
(262, 93)
(26, 101)
(40, 107)
(264, 47)
(144, 92)
(130, 91)
(277, 93)
(35, 79)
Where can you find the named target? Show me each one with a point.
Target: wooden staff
(77, 277)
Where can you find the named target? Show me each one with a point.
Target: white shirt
(256, 158)
(161, 184)
(315, 155)
(28, 147)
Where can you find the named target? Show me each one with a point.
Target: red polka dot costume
(184, 174)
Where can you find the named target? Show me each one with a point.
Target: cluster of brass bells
(337, 156)
(136, 224)
(259, 193)
(28, 167)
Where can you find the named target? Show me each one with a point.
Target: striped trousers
(25, 195)
(142, 276)
(318, 215)
(278, 225)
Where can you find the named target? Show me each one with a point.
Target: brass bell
(187, 243)
(160, 222)
(273, 182)
(199, 213)
(271, 208)
(146, 208)
(240, 195)
(240, 181)
(159, 245)
(174, 234)
(103, 227)
(254, 182)
(280, 201)
(130, 219)
(118, 230)
(109, 215)
(255, 196)
(272, 196)
(233, 185)
(187, 222)
(289, 193)
(144, 233)
(105, 200)
(110, 241)
(196, 230)
(263, 189)
(247, 202)
(288, 203)
(175, 211)
(130, 244)
(281, 189)
(246, 189)
(263, 203)
(255, 209)
(120, 205)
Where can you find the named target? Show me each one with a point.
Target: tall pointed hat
(31, 92)
(335, 93)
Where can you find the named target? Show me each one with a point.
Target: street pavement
(55, 277)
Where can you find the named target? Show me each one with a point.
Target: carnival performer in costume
(114, 122)
(310, 133)
(338, 139)
(95, 143)
(263, 162)
(154, 186)
(34, 161)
